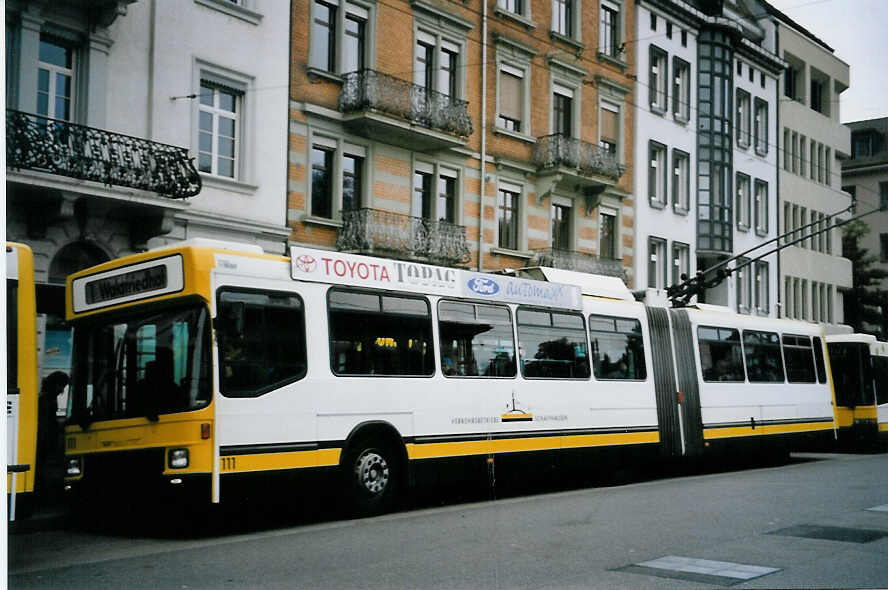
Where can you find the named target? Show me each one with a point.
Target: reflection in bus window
(617, 348)
(763, 361)
(880, 378)
(721, 356)
(261, 342)
(476, 340)
(852, 379)
(799, 359)
(818, 360)
(552, 345)
(374, 334)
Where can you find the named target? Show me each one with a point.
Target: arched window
(73, 257)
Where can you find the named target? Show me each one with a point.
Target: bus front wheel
(373, 477)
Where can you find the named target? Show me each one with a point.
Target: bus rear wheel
(372, 474)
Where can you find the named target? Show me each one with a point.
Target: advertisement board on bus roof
(384, 273)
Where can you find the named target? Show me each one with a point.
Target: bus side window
(721, 354)
(476, 340)
(552, 345)
(617, 348)
(818, 359)
(261, 341)
(799, 359)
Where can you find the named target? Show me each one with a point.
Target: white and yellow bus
(21, 380)
(206, 365)
(860, 372)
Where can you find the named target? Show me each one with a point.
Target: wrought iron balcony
(34, 142)
(382, 233)
(377, 103)
(580, 261)
(552, 152)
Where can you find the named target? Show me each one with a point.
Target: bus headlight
(178, 458)
(74, 467)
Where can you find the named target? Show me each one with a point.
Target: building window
(668, 30)
(792, 81)
(681, 181)
(787, 154)
(562, 111)
(438, 64)
(761, 287)
(681, 89)
(744, 118)
(680, 262)
(337, 177)
(744, 285)
(862, 145)
(562, 17)
(817, 95)
(322, 182)
(323, 36)
(513, 6)
(761, 207)
(354, 42)
(431, 204)
(511, 98)
(607, 234)
(653, 22)
(447, 196)
(684, 38)
(657, 270)
(657, 174)
(883, 196)
(744, 195)
(883, 247)
(55, 80)
(421, 205)
(219, 133)
(507, 213)
(657, 83)
(787, 297)
(761, 127)
(609, 29)
(609, 128)
(561, 227)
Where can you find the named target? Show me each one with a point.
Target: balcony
(382, 233)
(574, 165)
(395, 111)
(579, 261)
(58, 147)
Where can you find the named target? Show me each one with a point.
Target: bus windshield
(144, 363)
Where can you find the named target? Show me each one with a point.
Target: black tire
(372, 476)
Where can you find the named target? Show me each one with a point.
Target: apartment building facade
(490, 135)
(813, 144)
(706, 121)
(865, 178)
(126, 131)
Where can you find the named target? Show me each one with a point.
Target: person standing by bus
(49, 450)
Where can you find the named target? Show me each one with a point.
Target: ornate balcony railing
(368, 89)
(372, 231)
(580, 261)
(553, 151)
(34, 142)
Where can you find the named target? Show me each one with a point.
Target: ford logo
(483, 286)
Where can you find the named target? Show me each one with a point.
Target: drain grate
(832, 533)
(689, 569)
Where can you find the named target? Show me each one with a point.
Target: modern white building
(706, 147)
(131, 124)
(813, 142)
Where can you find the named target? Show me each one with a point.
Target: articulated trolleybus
(206, 365)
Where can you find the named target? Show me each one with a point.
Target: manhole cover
(689, 569)
(832, 533)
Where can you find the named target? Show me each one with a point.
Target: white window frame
(744, 286)
(761, 126)
(681, 181)
(523, 73)
(657, 168)
(762, 291)
(761, 190)
(743, 198)
(570, 90)
(611, 212)
(524, 16)
(441, 41)
(513, 187)
(618, 33)
(242, 9)
(54, 71)
(238, 85)
(658, 76)
(681, 261)
(571, 224)
(681, 89)
(656, 254)
(613, 108)
(517, 57)
(576, 13)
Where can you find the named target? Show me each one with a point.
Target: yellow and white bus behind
(21, 380)
(860, 372)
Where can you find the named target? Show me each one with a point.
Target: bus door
(690, 412)
(263, 421)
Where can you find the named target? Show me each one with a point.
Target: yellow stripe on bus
(738, 431)
(275, 461)
(542, 443)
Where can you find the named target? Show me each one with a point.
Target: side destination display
(383, 273)
(130, 283)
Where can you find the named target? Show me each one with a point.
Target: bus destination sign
(133, 282)
(136, 282)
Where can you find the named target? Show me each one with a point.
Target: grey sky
(858, 32)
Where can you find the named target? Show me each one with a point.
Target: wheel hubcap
(372, 471)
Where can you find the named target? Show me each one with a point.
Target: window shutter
(609, 125)
(510, 96)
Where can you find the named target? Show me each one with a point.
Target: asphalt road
(745, 520)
